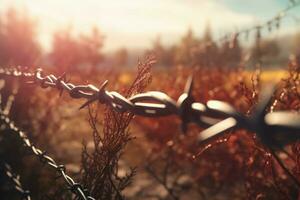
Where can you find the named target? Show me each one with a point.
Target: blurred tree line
(70, 52)
(82, 51)
(18, 39)
(19, 45)
(205, 52)
(193, 51)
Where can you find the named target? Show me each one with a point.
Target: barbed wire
(15, 180)
(274, 129)
(271, 24)
(219, 116)
(76, 188)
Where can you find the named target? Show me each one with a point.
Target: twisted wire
(276, 128)
(271, 24)
(76, 188)
(15, 180)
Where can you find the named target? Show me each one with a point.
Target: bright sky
(136, 23)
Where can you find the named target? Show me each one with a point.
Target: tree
(206, 54)
(71, 53)
(231, 52)
(207, 37)
(164, 55)
(121, 57)
(90, 47)
(268, 51)
(296, 47)
(18, 39)
(65, 50)
(184, 52)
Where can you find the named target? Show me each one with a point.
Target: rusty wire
(15, 180)
(76, 188)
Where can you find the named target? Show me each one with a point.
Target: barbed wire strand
(214, 112)
(15, 180)
(275, 129)
(271, 24)
(76, 188)
(13, 177)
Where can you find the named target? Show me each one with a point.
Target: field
(162, 159)
(191, 117)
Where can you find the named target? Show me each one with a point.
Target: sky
(137, 23)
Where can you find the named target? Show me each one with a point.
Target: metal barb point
(189, 85)
(97, 96)
(185, 104)
(265, 99)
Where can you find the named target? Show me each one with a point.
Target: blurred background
(117, 33)
(231, 47)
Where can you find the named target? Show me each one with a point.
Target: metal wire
(76, 188)
(274, 129)
(270, 24)
(15, 180)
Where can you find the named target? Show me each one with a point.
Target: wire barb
(274, 129)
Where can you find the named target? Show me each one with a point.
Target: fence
(274, 129)
(270, 25)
